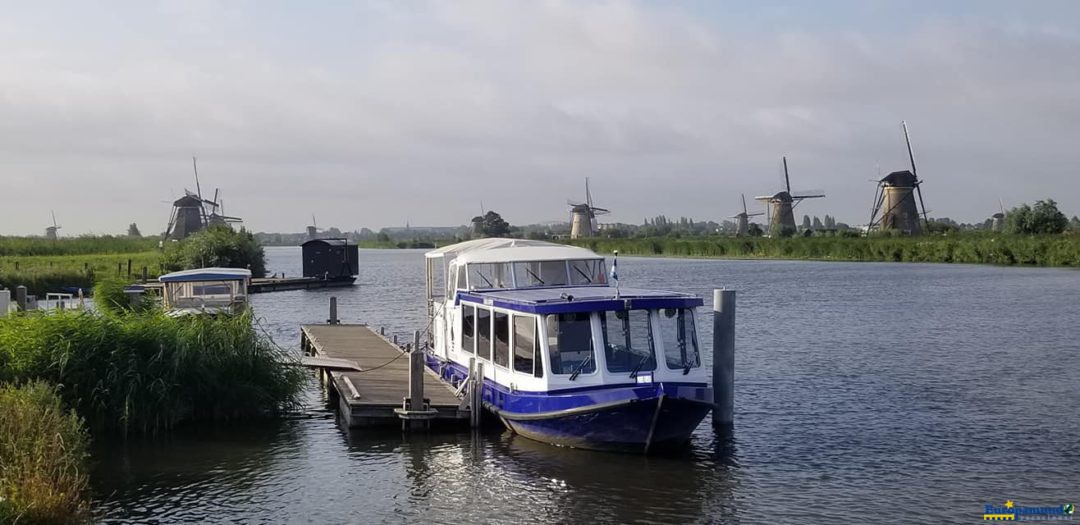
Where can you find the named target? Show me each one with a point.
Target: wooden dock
(369, 375)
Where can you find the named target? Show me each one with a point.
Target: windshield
(569, 338)
(628, 344)
(585, 272)
(540, 273)
(679, 338)
(489, 275)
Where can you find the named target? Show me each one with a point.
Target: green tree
(493, 225)
(1074, 224)
(806, 222)
(1042, 219)
(219, 246)
(754, 230)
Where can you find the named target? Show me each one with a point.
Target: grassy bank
(148, 372)
(42, 458)
(976, 248)
(52, 273)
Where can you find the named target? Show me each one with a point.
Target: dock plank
(382, 383)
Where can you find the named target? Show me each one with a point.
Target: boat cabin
(205, 290)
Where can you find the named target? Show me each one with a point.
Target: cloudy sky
(377, 113)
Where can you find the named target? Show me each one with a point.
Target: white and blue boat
(569, 359)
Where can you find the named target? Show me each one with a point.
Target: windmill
(50, 231)
(781, 206)
(583, 215)
(189, 214)
(895, 207)
(742, 220)
(997, 220)
(313, 230)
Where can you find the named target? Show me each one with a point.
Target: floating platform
(369, 376)
(263, 285)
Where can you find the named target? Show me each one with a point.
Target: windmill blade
(600, 210)
(1001, 205)
(53, 218)
(588, 195)
(810, 194)
(918, 189)
(572, 202)
(787, 180)
(758, 214)
(743, 203)
(911, 154)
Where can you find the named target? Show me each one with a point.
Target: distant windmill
(50, 231)
(583, 215)
(895, 206)
(313, 230)
(997, 220)
(781, 205)
(189, 214)
(742, 220)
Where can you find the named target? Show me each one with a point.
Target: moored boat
(568, 358)
(205, 291)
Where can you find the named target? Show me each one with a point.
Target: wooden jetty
(263, 285)
(370, 376)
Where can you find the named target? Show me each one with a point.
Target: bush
(1043, 219)
(42, 457)
(148, 372)
(217, 246)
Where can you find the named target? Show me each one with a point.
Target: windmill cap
(903, 178)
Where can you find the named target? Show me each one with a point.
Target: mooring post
(416, 379)
(382, 331)
(333, 312)
(395, 339)
(129, 268)
(476, 390)
(723, 358)
(20, 297)
(119, 268)
(145, 274)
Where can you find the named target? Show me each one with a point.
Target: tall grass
(1048, 250)
(42, 457)
(83, 245)
(148, 372)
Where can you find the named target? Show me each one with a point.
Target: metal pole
(333, 312)
(723, 358)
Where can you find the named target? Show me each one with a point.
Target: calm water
(864, 392)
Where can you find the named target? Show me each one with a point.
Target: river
(865, 392)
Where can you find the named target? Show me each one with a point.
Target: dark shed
(330, 258)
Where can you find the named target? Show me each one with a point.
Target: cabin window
(527, 347)
(502, 339)
(570, 348)
(680, 339)
(628, 346)
(587, 272)
(468, 328)
(489, 276)
(460, 272)
(540, 273)
(483, 333)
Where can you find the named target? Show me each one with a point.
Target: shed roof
(336, 241)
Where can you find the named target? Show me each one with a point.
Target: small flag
(615, 272)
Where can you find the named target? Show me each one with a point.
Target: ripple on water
(860, 388)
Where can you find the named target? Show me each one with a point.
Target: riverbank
(1049, 250)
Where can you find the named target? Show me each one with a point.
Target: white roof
(505, 250)
(207, 274)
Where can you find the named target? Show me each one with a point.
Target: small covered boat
(205, 291)
(568, 358)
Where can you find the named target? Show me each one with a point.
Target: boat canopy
(207, 274)
(544, 301)
(502, 249)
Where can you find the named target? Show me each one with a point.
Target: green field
(51, 273)
(975, 248)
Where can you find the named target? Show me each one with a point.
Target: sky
(380, 113)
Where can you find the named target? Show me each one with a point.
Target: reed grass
(53, 273)
(43, 476)
(83, 245)
(975, 248)
(148, 372)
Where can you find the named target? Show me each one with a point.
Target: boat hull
(635, 417)
(646, 425)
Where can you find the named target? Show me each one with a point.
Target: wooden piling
(20, 297)
(333, 312)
